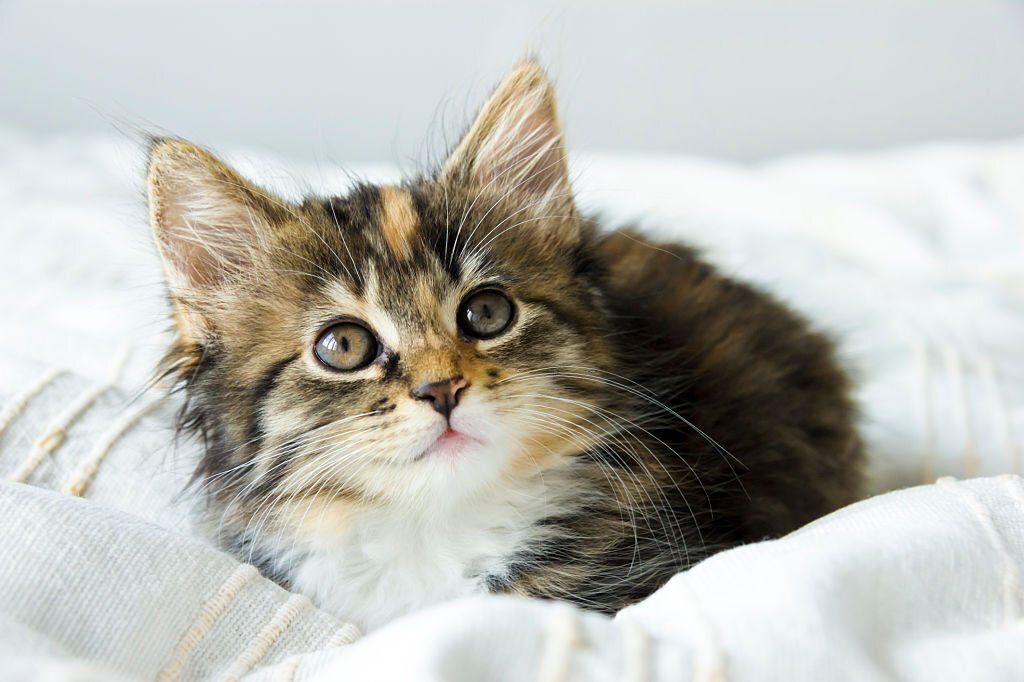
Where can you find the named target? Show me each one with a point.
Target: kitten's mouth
(450, 443)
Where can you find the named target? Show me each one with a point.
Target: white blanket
(914, 259)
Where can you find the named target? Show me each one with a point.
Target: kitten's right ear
(516, 141)
(208, 221)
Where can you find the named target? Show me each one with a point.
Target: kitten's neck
(369, 563)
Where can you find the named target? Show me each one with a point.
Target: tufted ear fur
(515, 144)
(210, 225)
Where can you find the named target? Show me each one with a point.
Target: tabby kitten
(460, 384)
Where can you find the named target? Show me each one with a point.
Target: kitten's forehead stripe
(398, 221)
(439, 222)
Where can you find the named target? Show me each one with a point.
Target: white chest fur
(388, 562)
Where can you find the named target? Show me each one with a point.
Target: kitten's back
(746, 370)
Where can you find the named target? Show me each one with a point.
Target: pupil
(344, 344)
(486, 311)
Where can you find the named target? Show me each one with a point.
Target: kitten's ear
(516, 141)
(208, 222)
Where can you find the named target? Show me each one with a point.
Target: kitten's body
(638, 411)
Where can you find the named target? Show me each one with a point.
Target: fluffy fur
(641, 412)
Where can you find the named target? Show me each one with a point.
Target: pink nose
(443, 395)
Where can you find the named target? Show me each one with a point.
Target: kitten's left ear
(515, 144)
(213, 228)
(209, 222)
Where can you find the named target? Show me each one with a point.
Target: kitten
(460, 384)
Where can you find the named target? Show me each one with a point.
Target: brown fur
(685, 412)
(397, 220)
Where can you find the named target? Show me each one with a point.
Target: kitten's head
(421, 339)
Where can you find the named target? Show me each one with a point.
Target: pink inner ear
(206, 232)
(198, 265)
(531, 157)
(515, 141)
(209, 221)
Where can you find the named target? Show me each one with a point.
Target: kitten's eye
(346, 346)
(484, 314)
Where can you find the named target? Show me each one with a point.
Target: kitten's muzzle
(443, 395)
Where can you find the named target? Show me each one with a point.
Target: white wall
(361, 81)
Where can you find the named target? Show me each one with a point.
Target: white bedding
(914, 259)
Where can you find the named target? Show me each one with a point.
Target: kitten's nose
(443, 395)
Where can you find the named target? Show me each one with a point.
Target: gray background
(740, 79)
